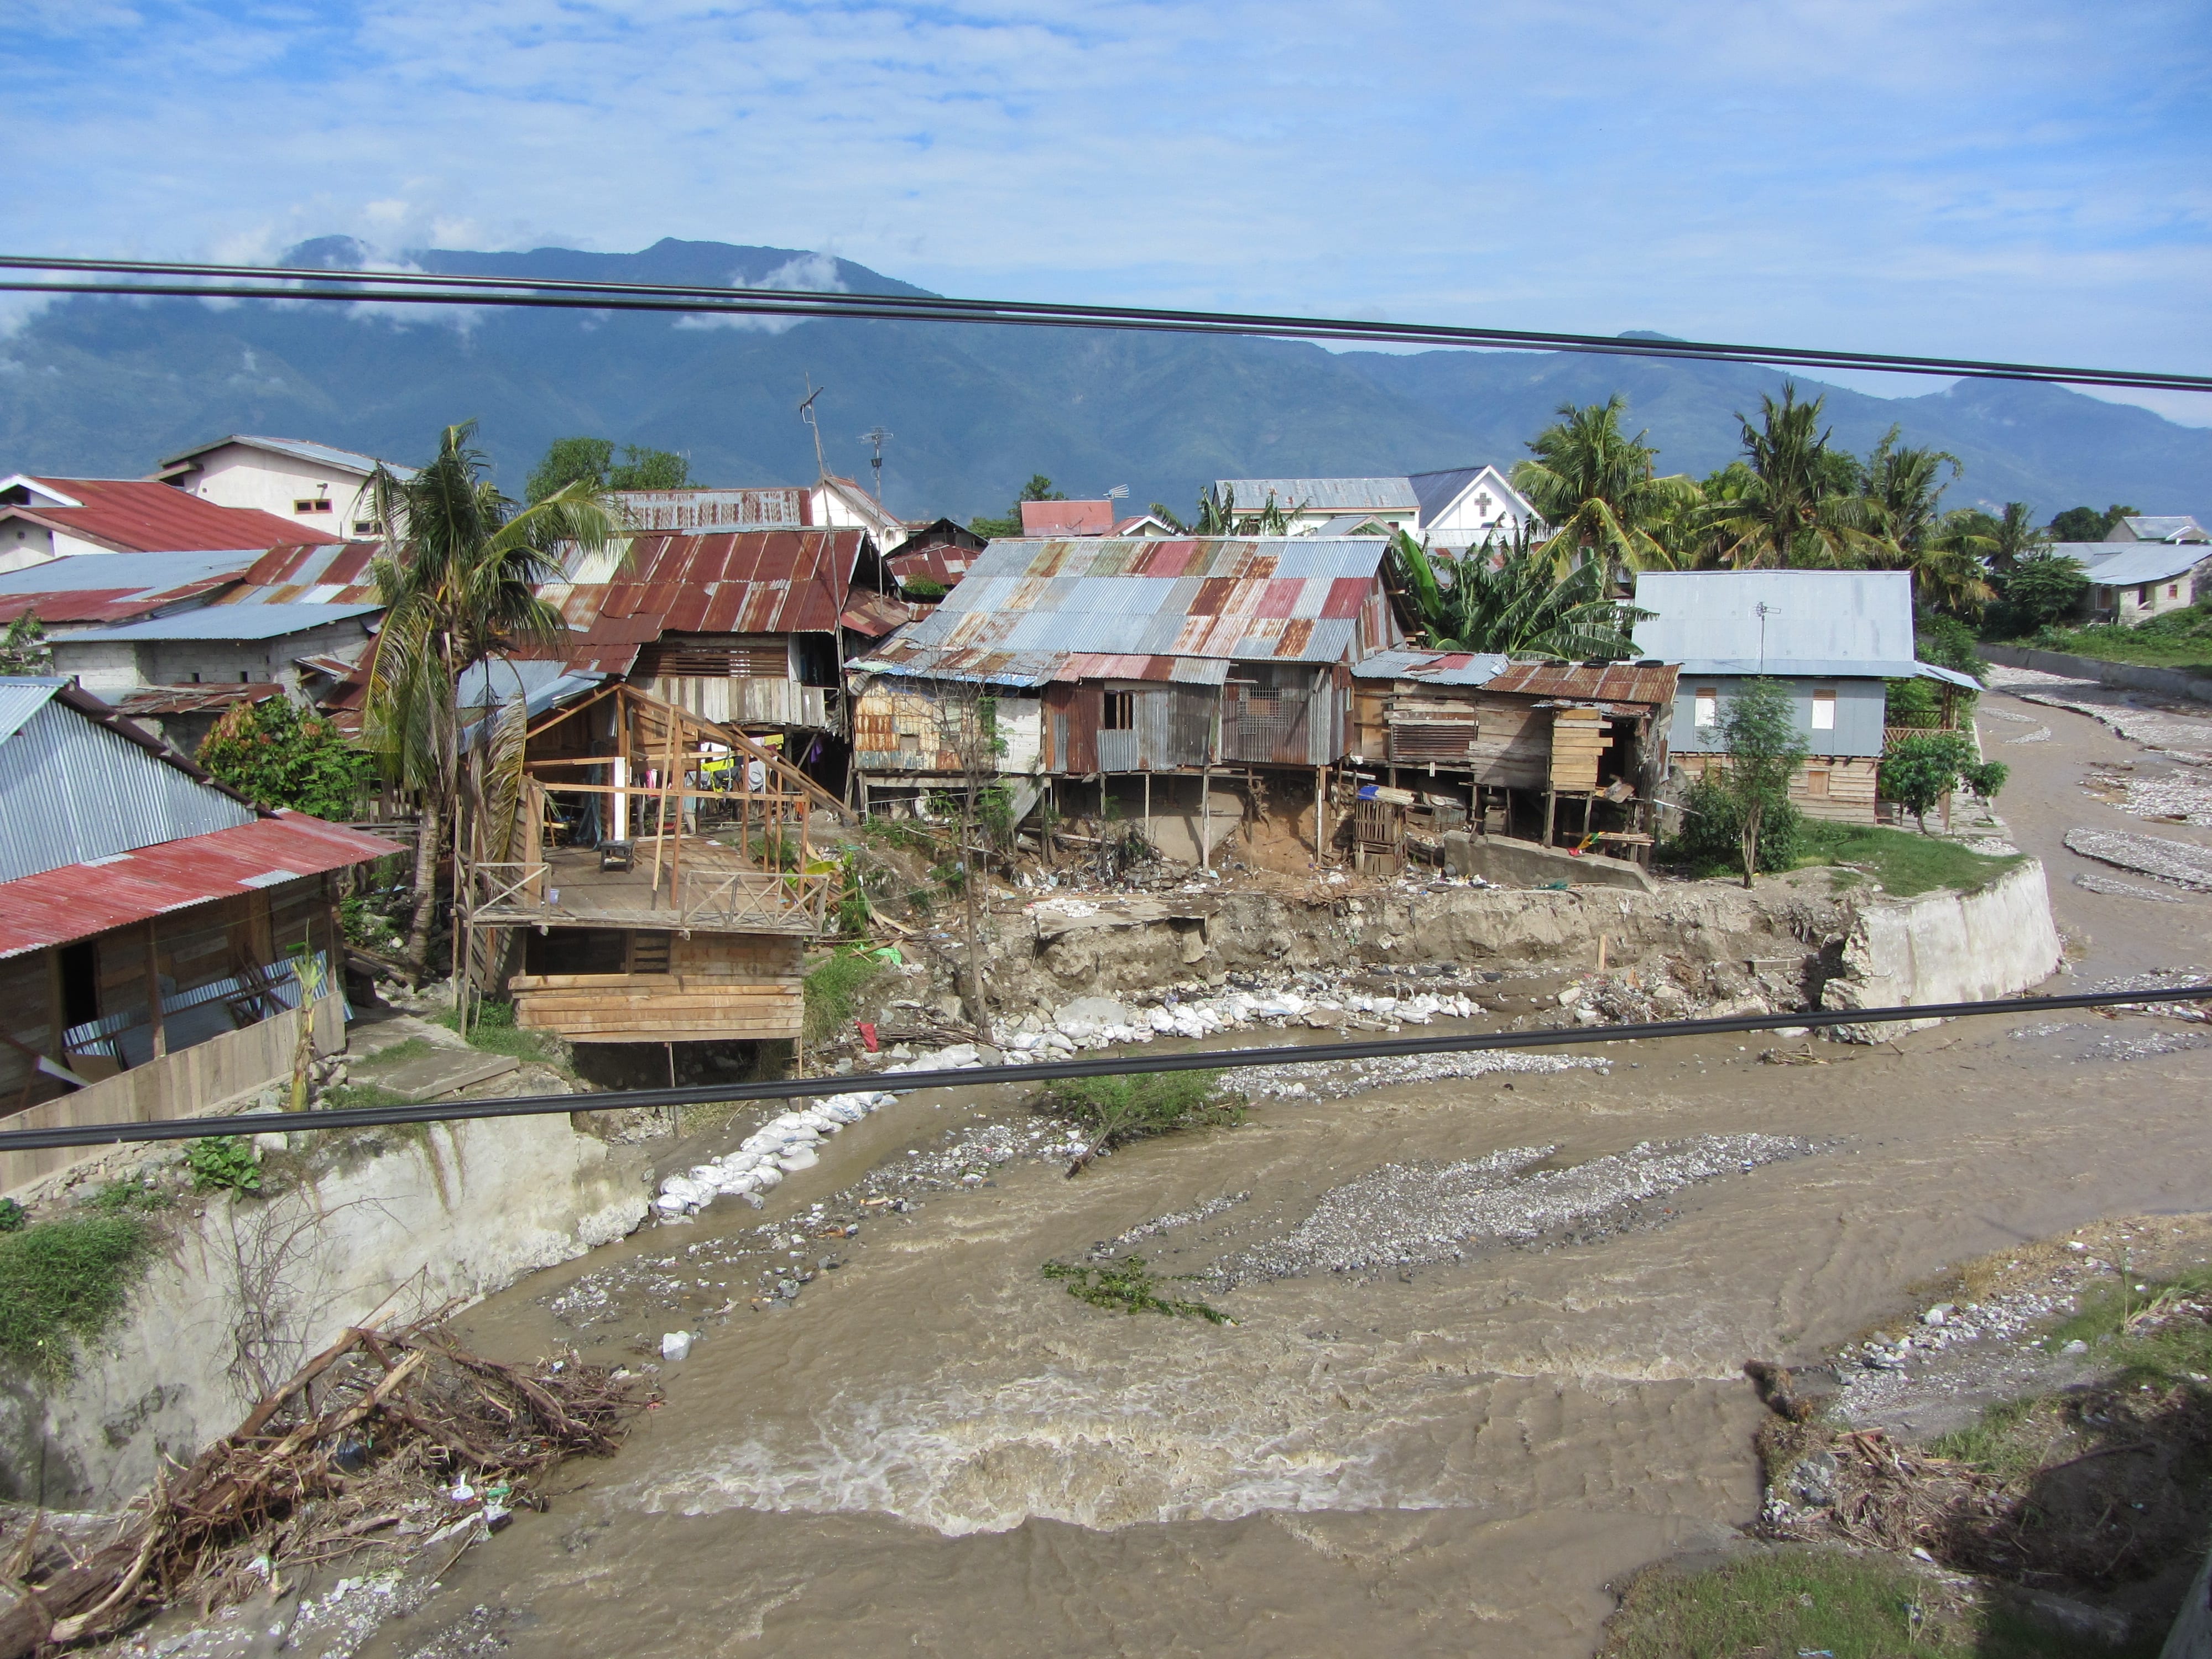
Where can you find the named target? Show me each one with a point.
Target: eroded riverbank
(933, 1447)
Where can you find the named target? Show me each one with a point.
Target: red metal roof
(79, 900)
(142, 515)
(1067, 518)
(944, 564)
(760, 581)
(326, 573)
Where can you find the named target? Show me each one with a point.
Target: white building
(1460, 507)
(313, 484)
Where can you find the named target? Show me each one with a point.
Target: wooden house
(159, 934)
(1536, 749)
(660, 875)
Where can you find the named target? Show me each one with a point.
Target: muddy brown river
(936, 1449)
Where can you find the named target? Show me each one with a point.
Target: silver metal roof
(124, 572)
(22, 696)
(228, 622)
(2131, 563)
(1432, 667)
(300, 449)
(1438, 490)
(1324, 495)
(2166, 527)
(72, 790)
(1848, 623)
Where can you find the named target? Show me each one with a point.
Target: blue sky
(2017, 178)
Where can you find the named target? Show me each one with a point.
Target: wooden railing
(518, 894)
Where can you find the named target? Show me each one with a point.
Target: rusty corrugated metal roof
(1026, 604)
(1649, 683)
(76, 901)
(157, 700)
(778, 507)
(327, 573)
(112, 588)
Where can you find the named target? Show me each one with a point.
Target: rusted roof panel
(76, 901)
(112, 588)
(1649, 683)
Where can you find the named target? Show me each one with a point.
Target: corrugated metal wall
(71, 790)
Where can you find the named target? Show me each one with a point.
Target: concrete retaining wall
(460, 1210)
(2133, 676)
(1950, 947)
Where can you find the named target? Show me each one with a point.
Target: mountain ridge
(98, 384)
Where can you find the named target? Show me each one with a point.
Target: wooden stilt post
(1321, 783)
(1206, 816)
(1551, 811)
(154, 995)
(1148, 808)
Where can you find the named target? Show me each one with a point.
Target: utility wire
(354, 1117)
(176, 280)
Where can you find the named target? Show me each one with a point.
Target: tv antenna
(876, 436)
(1763, 610)
(1117, 492)
(806, 414)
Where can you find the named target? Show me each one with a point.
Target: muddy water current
(1485, 1356)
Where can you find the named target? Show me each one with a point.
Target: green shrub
(1949, 643)
(833, 992)
(224, 1163)
(1710, 839)
(13, 1216)
(275, 755)
(1918, 772)
(118, 1196)
(1986, 779)
(1115, 1110)
(1125, 1285)
(1913, 703)
(61, 1282)
(924, 588)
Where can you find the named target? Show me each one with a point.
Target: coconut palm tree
(1509, 600)
(1943, 550)
(1803, 504)
(1598, 487)
(458, 579)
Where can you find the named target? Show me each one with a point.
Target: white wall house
(2138, 580)
(839, 503)
(311, 485)
(1459, 507)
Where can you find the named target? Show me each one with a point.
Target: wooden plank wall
(1850, 790)
(1578, 738)
(718, 987)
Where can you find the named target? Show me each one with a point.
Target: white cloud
(1982, 178)
(804, 273)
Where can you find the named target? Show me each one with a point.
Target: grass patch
(62, 1282)
(492, 1028)
(120, 1197)
(1125, 1285)
(1905, 862)
(2154, 1331)
(397, 1054)
(834, 992)
(2179, 639)
(1113, 1110)
(1851, 1606)
(343, 1095)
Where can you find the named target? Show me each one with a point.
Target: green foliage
(925, 589)
(1797, 503)
(1918, 772)
(23, 647)
(492, 1028)
(1949, 643)
(1986, 778)
(1167, 515)
(1599, 490)
(1115, 1110)
(1125, 1285)
(364, 922)
(13, 1216)
(2085, 524)
(224, 1163)
(1710, 840)
(2043, 587)
(363, 1094)
(1521, 607)
(834, 992)
(61, 1282)
(1913, 703)
(1038, 489)
(2178, 639)
(276, 755)
(1758, 734)
(591, 461)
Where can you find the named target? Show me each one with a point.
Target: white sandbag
(797, 1159)
(676, 1346)
(670, 1204)
(737, 1184)
(769, 1176)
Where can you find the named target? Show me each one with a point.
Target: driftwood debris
(363, 1433)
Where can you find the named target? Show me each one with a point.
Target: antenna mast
(878, 437)
(806, 414)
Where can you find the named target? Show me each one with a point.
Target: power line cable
(355, 1117)
(181, 280)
